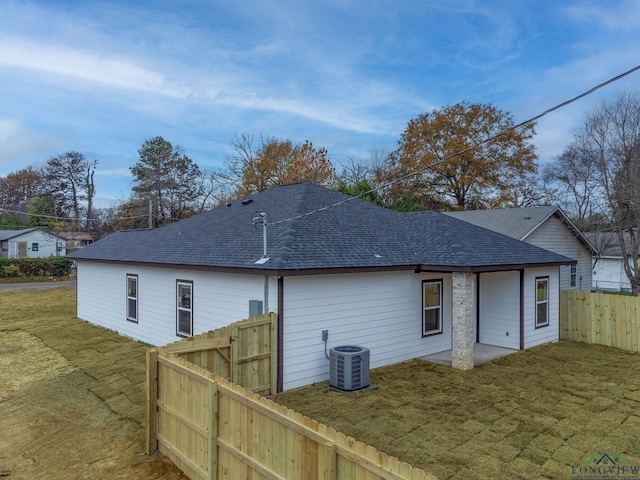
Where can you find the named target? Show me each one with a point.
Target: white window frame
(542, 280)
(182, 309)
(573, 275)
(134, 277)
(438, 308)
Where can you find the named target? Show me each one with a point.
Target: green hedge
(34, 267)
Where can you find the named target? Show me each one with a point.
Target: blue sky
(100, 78)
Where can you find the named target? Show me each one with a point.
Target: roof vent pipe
(261, 217)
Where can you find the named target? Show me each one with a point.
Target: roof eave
(333, 270)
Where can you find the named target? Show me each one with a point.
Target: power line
(461, 152)
(70, 219)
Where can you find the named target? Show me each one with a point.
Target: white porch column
(462, 298)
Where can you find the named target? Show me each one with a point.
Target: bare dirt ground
(534, 414)
(71, 395)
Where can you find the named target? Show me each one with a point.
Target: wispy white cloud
(95, 67)
(102, 77)
(620, 15)
(19, 142)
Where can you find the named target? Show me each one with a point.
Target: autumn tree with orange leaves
(255, 167)
(481, 177)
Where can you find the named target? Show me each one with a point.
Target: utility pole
(150, 214)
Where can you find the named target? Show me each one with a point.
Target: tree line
(442, 161)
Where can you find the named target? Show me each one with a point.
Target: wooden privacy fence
(213, 429)
(605, 319)
(243, 352)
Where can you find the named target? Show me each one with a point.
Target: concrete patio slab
(482, 353)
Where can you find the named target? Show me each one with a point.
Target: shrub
(10, 271)
(35, 267)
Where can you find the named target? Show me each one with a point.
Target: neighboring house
(608, 267)
(404, 285)
(546, 227)
(76, 240)
(31, 243)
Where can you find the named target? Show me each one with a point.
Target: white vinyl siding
(555, 235)
(609, 274)
(500, 309)
(48, 245)
(382, 312)
(219, 300)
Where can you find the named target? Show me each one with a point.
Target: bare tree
(610, 139)
(214, 188)
(91, 192)
(523, 191)
(575, 179)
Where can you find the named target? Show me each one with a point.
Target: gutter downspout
(522, 309)
(280, 356)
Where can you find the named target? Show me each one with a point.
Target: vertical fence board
(212, 423)
(605, 319)
(151, 410)
(213, 429)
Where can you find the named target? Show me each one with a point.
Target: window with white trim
(132, 298)
(431, 307)
(542, 302)
(573, 274)
(184, 314)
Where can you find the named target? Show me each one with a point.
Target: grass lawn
(71, 395)
(72, 405)
(533, 414)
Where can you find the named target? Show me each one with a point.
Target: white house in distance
(403, 285)
(31, 243)
(608, 266)
(547, 227)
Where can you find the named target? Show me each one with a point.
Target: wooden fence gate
(243, 352)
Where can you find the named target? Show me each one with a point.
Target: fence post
(327, 456)
(235, 353)
(212, 425)
(151, 413)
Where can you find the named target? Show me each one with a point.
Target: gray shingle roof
(8, 234)
(516, 223)
(354, 234)
(608, 243)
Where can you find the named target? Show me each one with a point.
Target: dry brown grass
(533, 414)
(71, 395)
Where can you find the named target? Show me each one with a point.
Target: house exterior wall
(382, 312)
(608, 274)
(47, 246)
(537, 336)
(500, 309)
(555, 236)
(218, 299)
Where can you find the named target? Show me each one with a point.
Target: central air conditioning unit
(349, 367)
